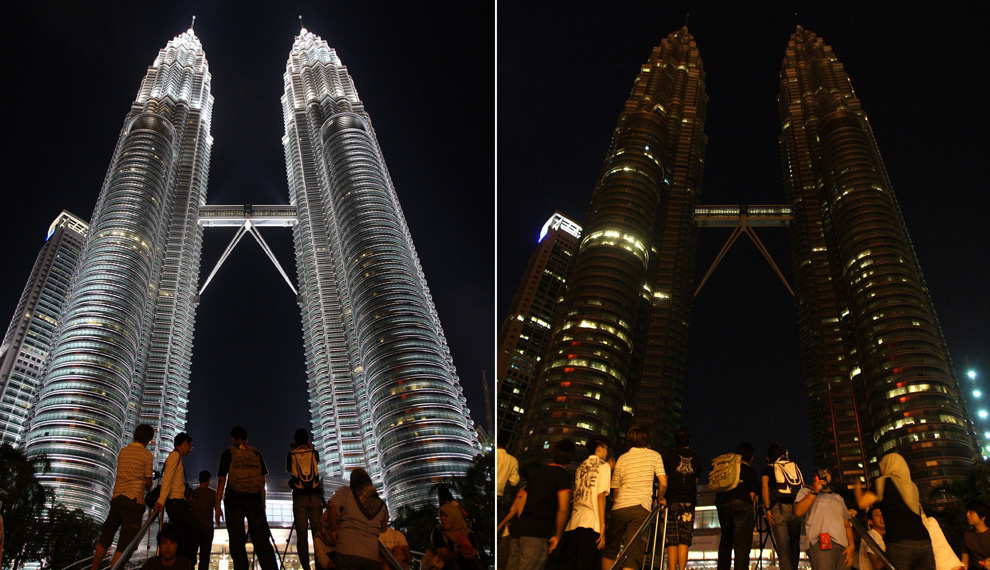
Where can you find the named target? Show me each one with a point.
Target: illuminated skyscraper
(25, 346)
(877, 370)
(383, 390)
(617, 350)
(121, 351)
(523, 334)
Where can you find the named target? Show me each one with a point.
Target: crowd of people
(555, 511)
(350, 530)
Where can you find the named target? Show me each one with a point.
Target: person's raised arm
(863, 498)
(801, 507)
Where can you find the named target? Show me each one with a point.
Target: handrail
(389, 558)
(872, 544)
(624, 553)
(134, 542)
(78, 562)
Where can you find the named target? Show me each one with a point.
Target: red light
(565, 384)
(569, 369)
(575, 343)
(571, 355)
(898, 370)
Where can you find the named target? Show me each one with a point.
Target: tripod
(766, 531)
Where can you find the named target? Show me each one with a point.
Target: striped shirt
(133, 466)
(633, 477)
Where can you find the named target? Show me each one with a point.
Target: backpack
(245, 470)
(724, 475)
(787, 479)
(305, 474)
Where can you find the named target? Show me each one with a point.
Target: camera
(822, 474)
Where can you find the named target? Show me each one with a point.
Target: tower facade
(876, 366)
(121, 351)
(383, 390)
(25, 346)
(617, 350)
(523, 334)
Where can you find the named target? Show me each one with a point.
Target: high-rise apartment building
(121, 352)
(25, 346)
(383, 390)
(524, 332)
(876, 366)
(617, 350)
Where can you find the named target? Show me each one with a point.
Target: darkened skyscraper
(617, 351)
(876, 367)
(524, 332)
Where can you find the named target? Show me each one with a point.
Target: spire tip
(193, 23)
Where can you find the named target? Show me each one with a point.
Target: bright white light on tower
(971, 374)
(983, 414)
(986, 434)
(977, 393)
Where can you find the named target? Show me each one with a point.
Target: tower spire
(686, 18)
(301, 26)
(192, 25)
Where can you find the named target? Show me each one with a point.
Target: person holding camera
(828, 535)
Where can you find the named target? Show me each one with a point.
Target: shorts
(125, 514)
(619, 531)
(680, 524)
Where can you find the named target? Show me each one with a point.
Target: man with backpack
(172, 498)
(781, 481)
(734, 503)
(242, 474)
(683, 466)
(307, 491)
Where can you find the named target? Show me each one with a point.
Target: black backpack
(305, 473)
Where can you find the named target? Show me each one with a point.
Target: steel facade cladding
(876, 366)
(383, 390)
(601, 357)
(94, 390)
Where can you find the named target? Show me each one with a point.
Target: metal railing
(872, 544)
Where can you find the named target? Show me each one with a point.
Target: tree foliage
(951, 502)
(35, 529)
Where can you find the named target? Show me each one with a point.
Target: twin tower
(875, 363)
(383, 391)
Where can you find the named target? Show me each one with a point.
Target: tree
(951, 501)
(69, 537)
(24, 508)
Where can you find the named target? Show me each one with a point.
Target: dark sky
(426, 76)
(919, 70)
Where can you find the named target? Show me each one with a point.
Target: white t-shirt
(506, 470)
(633, 477)
(864, 550)
(591, 478)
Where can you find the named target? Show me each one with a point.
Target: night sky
(426, 76)
(919, 71)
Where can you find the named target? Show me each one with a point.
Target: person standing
(976, 542)
(357, 516)
(781, 480)
(241, 484)
(632, 493)
(452, 542)
(868, 560)
(735, 514)
(584, 537)
(302, 462)
(909, 545)
(173, 497)
(506, 475)
(127, 503)
(683, 467)
(542, 509)
(201, 503)
(828, 535)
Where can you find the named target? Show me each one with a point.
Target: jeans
(237, 507)
(528, 553)
(306, 507)
(737, 521)
(912, 555)
(205, 545)
(830, 559)
(180, 515)
(786, 535)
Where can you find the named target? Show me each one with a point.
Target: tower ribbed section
(602, 369)
(383, 390)
(93, 391)
(876, 366)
